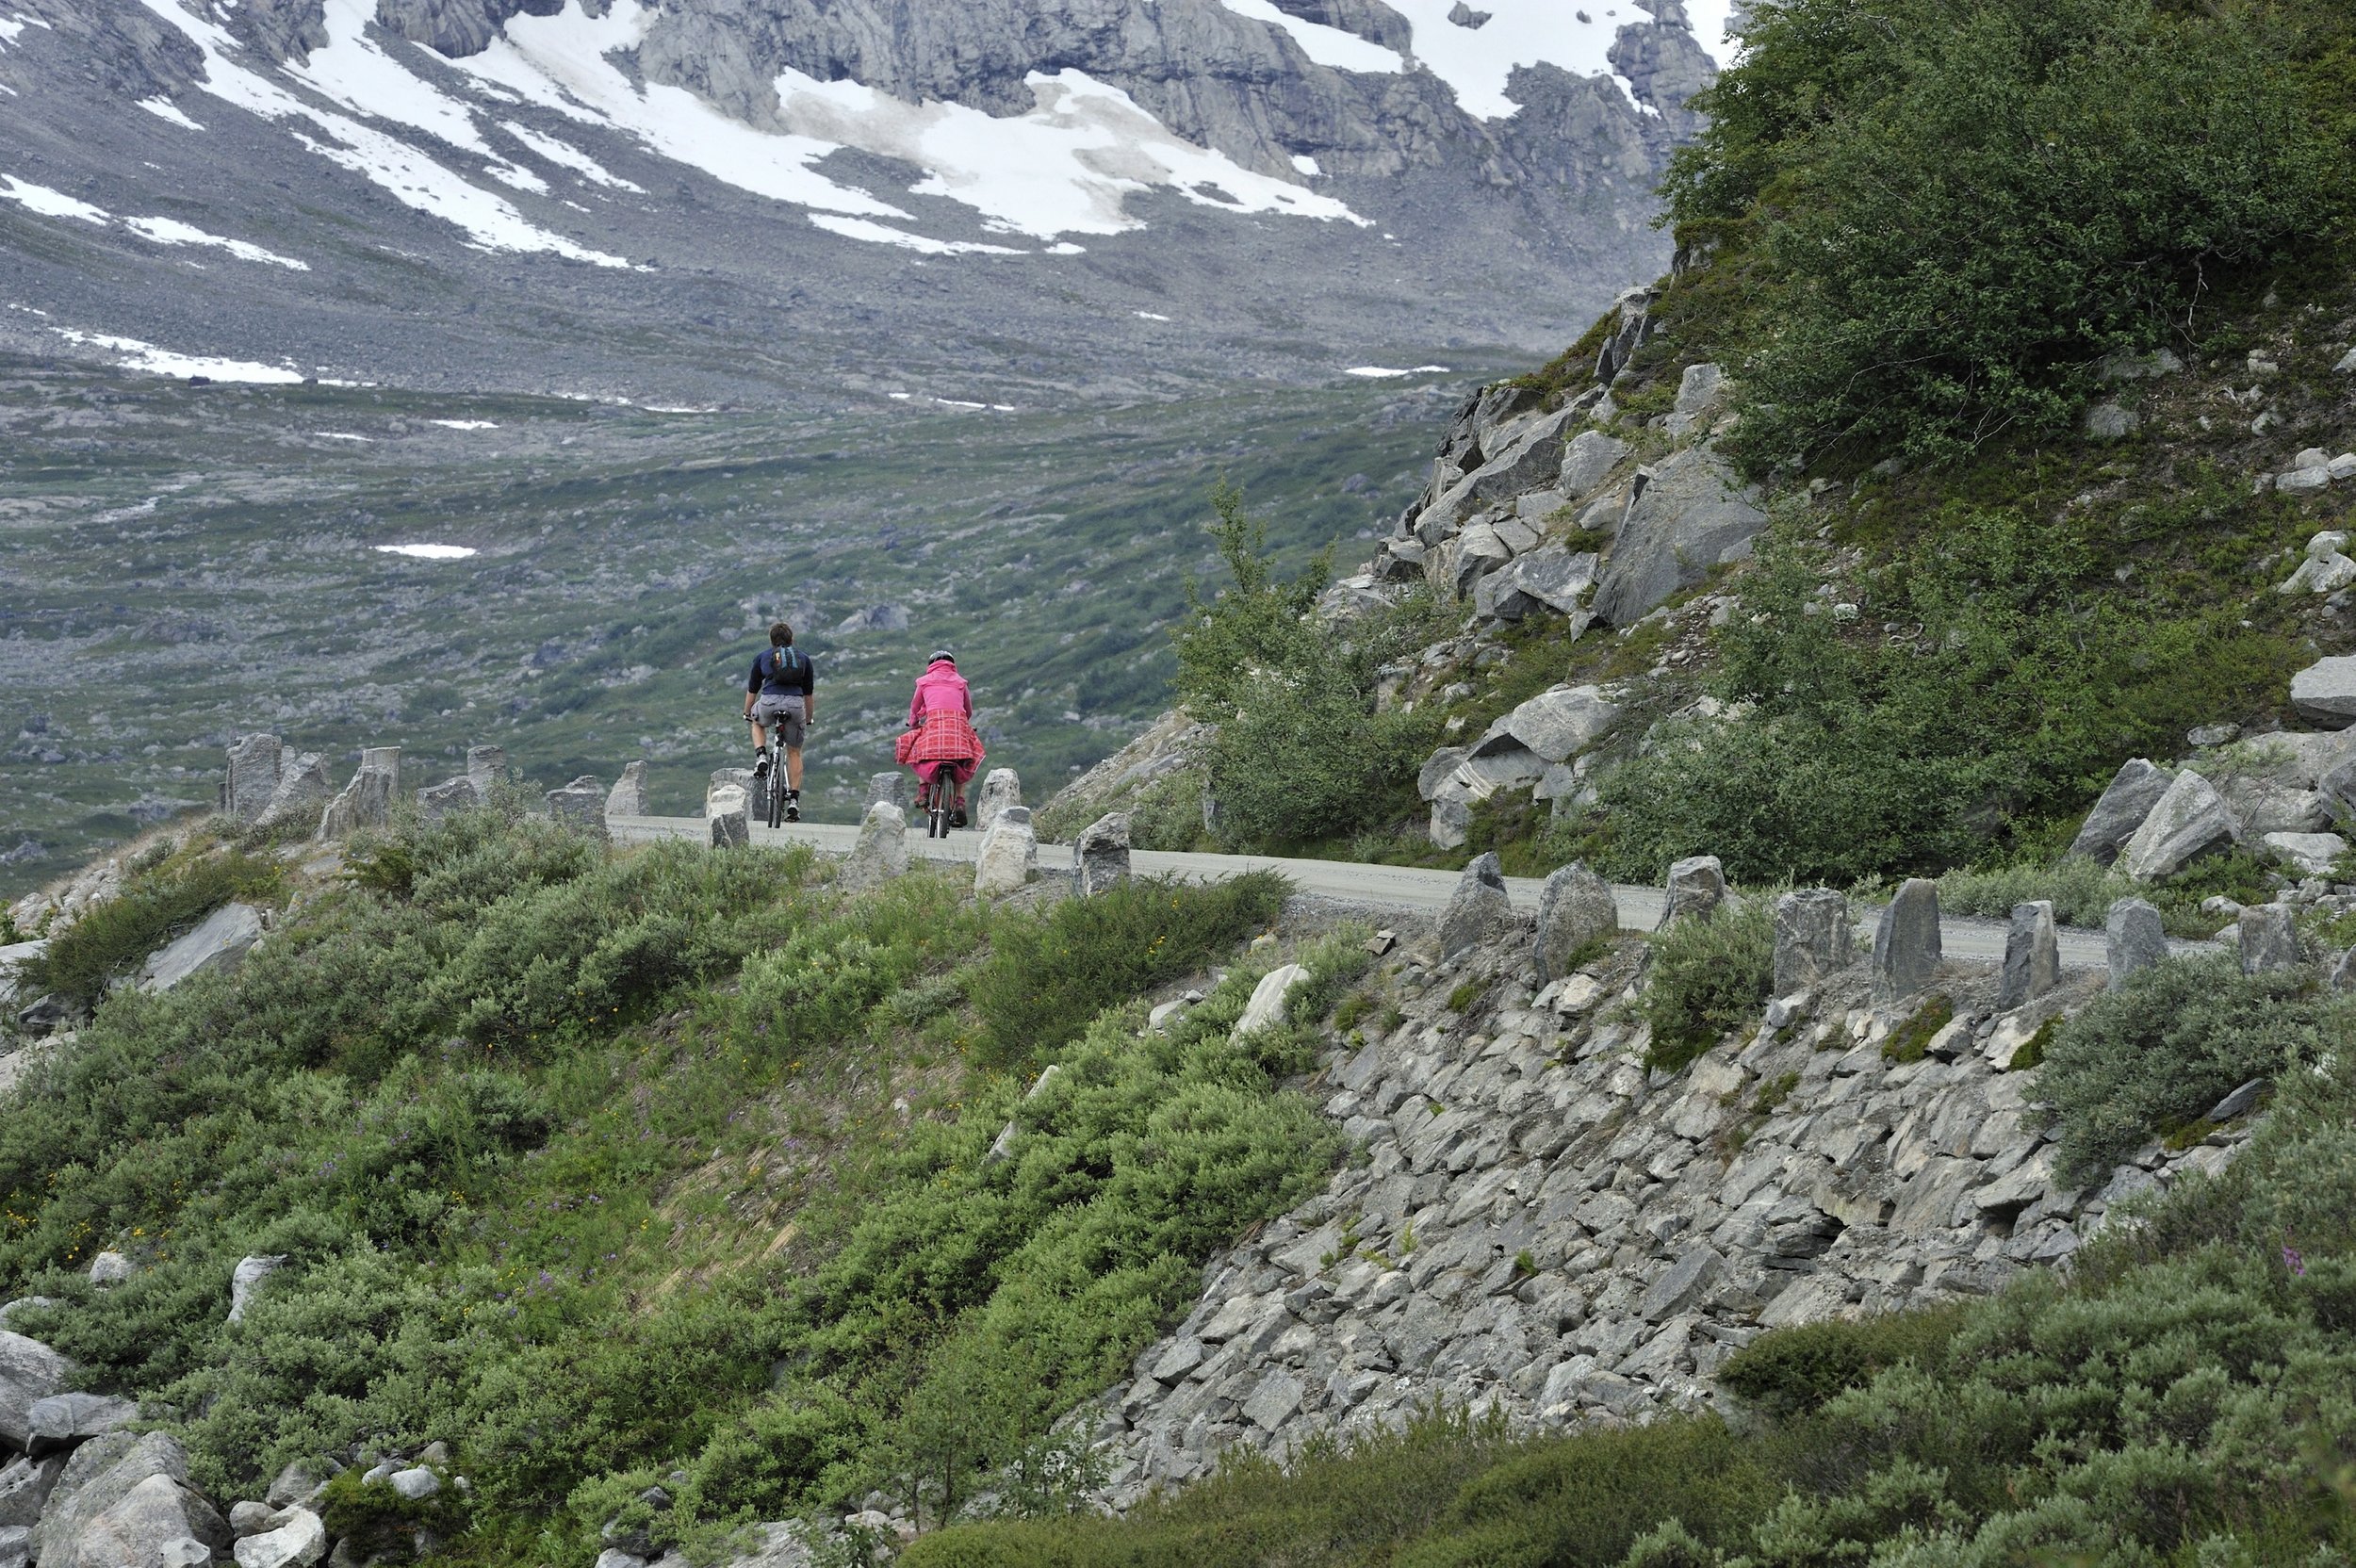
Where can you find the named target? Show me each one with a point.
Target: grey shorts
(786, 717)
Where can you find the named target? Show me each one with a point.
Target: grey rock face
(2308, 853)
(221, 943)
(727, 809)
(627, 798)
(2032, 956)
(2191, 817)
(486, 766)
(1100, 856)
(1700, 390)
(2325, 692)
(367, 801)
(2133, 938)
(2241, 1102)
(66, 1418)
(1906, 942)
(436, 801)
(1451, 822)
(302, 790)
(580, 805)
(1008, 853)
(24, 1487)
(247, 1278)
(1697, 885)
(253, 776)
(1576, 908)
(1000, 788)
(1479, 911)
(100, 1475)
(1814, 935)
(1691, 515)
(881, 852)
(2268, 939)
(2125, 802)
(1587, 461)
(1684, 1284)
(1549, 577)
(1559, 725)
(147, 1528)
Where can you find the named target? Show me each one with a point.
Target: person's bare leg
(794, 768)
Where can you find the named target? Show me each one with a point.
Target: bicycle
(769, 788)
(937, 800)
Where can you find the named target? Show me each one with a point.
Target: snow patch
(356, 72)
(462, 424)
(50, 204)
(1382, 373)
(1325, 46)
(427, 552)
(566, 155)
(164, 108)
(1307, 165)
(12, 28)
(1149, 316)
(343, 435)
(135, 356)
(878, 233)
(171, 231)
(1476, 63)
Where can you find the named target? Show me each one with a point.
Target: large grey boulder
(221, 943)
(1100, 856)
(627, 798)
(302, 790)
(486, 766)
(1008, 853)
(1587, 461)
(2268, 939)
(68, 1418)
(253, 776)
(881, 851)
(2259, 805)
(1549, 577)
(893, 786)
(247, 1278)
(1700, 392)
(728, 814)
(1451, 821)
(25, 1488)
(2325, 692)
(1462, 562)
(580, 805)
(2124, 803)
(298, 1540)
(1697, 885)
(2032, 956)
(1000, 788)
(1691, 515)
(1557, 725)
(739, 780)
(368, 800)
(2308, 853)
(1531, 460)
(1814, 935)
(1575, 910)
(1271, 998)
(101, 1474)
(1907, 945)
(159, 1523)
(13, 959)
(2133, 938)
(2188, 819)
(1478, 911)
(436, 801)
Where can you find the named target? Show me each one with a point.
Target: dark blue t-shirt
(782, 673)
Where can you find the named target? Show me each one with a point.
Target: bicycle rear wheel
(776, 782)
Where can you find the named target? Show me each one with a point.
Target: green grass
(1910, 1040)
(162, 901)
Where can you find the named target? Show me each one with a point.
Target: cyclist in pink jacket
(941, 736)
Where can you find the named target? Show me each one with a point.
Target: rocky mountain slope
(820, 204)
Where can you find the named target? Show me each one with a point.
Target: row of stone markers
(268, 785)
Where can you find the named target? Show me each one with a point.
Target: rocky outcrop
(368, 800)
(221, 943)
(1691, 514)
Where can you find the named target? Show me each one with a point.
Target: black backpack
(783, 661)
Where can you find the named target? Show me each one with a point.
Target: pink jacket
(940, 687)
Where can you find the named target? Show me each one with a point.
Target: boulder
(2125, 802)
(1575, 910)
(727, 809)
(1471, 555)
(1557, 725)
(299, 1482)
(436, 801)
(2325, 692)
(739, 780)
(1008, 853)
(627, 798)
(220, 942)
(1814, 935)
(1479, 911)
(62, 1419)
(29, 1372)
(579, 804)
(13, 958)
(2260, 805)
(890, 786)
(158, 1523)
(101, 1474)
(299, 1540)
(2308, 853)
(1451, 822)
(415, 1484)
(2133, 938)
(253, 776)
(2268, 939)
(2110, 421)
(1587, 461)
(1437, 770)
(25, 1488)
(1100, 856)
(2032, 956)
(368, 800)
(1269, 998)
(1691, 515)
(302, 790)
(2337, 787)
(486, 766)
(2189, 818)
(1906, 946)
(1697, 885)
(881, 851)
(1000, 788)
(247, 1278)
(1553, 578)
(1700, 391)
(1682, 1284)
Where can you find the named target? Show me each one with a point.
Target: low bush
(161, 901)
(2081, 889)
(1910, 1040)
(1707, 978)
(2173, 1040)
(1047, 976)
(1797, 1370)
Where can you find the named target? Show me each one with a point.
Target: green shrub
(2080, 891)
(157, 905)
(1792, 1371)
(1707, 978)
(2171, 1042)
(378, 1520)
(1909, 1041)
(1047, 976)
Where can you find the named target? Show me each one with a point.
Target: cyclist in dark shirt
(782, 691)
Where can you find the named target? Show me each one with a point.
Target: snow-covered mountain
(970, 200)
